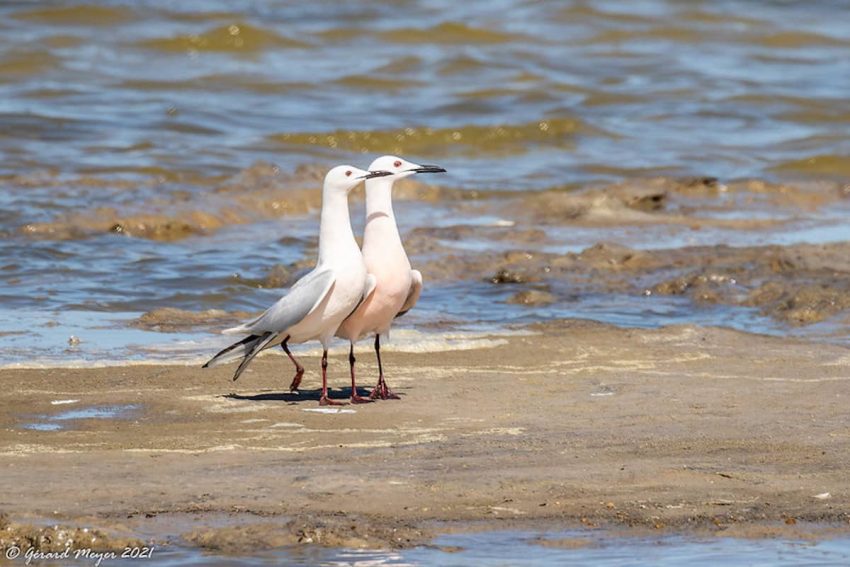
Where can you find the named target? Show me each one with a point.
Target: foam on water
(106, 340)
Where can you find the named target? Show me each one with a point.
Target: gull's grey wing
(413, 294)
(292, 308)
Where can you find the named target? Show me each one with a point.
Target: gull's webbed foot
(383, 392)
(326, 401)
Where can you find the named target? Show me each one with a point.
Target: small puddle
(42, 426)
(59, 421)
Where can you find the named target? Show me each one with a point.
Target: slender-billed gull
(318, 302)
(397, 287)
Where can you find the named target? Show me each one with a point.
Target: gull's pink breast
(391, 269)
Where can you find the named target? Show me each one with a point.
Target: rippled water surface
(113, 115)
(520, 548)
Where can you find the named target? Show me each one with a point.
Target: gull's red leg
(325, 400)
(355, 397)
(299, 370)
(381, 390)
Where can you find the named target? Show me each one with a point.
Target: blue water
(110, 110)
(517, 549)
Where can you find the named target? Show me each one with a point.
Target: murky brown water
(130, 134)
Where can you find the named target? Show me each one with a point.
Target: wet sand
(572, 424)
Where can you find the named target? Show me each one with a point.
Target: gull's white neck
(381, 232)
(335, 235)
(379, 199)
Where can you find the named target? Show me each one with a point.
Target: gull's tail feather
(234, 352)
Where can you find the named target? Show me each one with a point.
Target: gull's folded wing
(413, 294)
(292, 308)
(368, 289)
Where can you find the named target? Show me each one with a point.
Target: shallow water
(572, 548)
(112, 110)
(66, 419)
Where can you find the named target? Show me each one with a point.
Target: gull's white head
(400, 168)
(344, 178)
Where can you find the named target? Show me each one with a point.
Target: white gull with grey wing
(318, 302)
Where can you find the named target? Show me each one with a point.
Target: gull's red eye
(397, 163)
(348, 173)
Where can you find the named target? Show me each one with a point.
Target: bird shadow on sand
(340, 395)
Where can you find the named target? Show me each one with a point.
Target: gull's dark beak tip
(378, 173)
(429, 169)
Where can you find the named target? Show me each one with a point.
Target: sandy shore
(683, 429)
